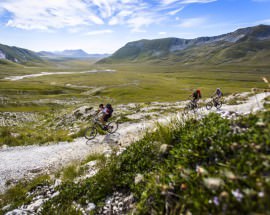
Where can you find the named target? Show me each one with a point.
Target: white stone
(90, 207)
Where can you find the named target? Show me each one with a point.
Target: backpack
(109, 107)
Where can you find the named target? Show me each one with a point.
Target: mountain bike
(214, 102)
(191, 106)
(91, 132)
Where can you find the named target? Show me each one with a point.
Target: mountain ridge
(18, 55)
(175, 49)
(70, 53)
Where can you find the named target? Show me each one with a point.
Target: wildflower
(183, 186)
(223, 195)
(216, 201)
(265, 80)
(238, 195)
(261, 194)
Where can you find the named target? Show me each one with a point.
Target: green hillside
(18, 55)
(248, 45)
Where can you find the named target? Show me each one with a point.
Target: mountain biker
(196, 95)
(106, 113)
(216, 96)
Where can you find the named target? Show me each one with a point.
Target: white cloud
(167, 2)
(53, 14)
(137, 22)
(48, 14)
(92, 33)
(162, 33)
(192, 22)
(173, 12)
(196, 1)
(265, 21)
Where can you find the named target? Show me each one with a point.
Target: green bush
(214, 166)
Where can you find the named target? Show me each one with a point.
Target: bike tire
(90, 133)
(219, 104)
(209, 105)
(186, 109)
(112, 127)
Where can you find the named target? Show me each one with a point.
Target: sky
(103, 26)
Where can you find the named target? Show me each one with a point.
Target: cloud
(92, 33)
(48, 14)
(167, 2)
(173, 12)
(162, 33)
(54, 14)
(138, 22)
(192, 22)
(196, 1)
(265, 21)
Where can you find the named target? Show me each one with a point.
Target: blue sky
(103, 26)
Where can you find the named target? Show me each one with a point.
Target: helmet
(101, 106)
(198, 91)
(108, 106)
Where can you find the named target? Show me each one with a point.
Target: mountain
(78, 53)
(246, 44)
(18, 55)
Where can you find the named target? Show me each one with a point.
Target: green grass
(16, 196)
(179, 181)
(141, 83)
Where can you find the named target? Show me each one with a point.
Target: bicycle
(91, 132)
(214, 102)
(191, 106)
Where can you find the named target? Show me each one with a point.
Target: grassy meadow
(56, 95)
(130, 82)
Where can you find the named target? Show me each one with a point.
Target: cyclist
(106, 113)
(196, 95)
(217, 95)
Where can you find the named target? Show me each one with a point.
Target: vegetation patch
(17, 195)
(206, 166)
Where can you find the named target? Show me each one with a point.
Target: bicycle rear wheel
(209, 105)
(218, 104)
(112, 127)
(90, 133)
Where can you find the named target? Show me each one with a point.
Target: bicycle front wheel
(186, 109)
(90, 133)
(209, 105)
(112, 127)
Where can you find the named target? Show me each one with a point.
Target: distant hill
(18, 55)
(250, 44)
(78, 53)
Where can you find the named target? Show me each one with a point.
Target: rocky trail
(17, 163)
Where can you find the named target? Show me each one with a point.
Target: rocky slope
(232, 47)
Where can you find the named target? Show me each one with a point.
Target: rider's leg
(102, 121)
(105, 120)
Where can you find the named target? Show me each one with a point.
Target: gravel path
(19, 162)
